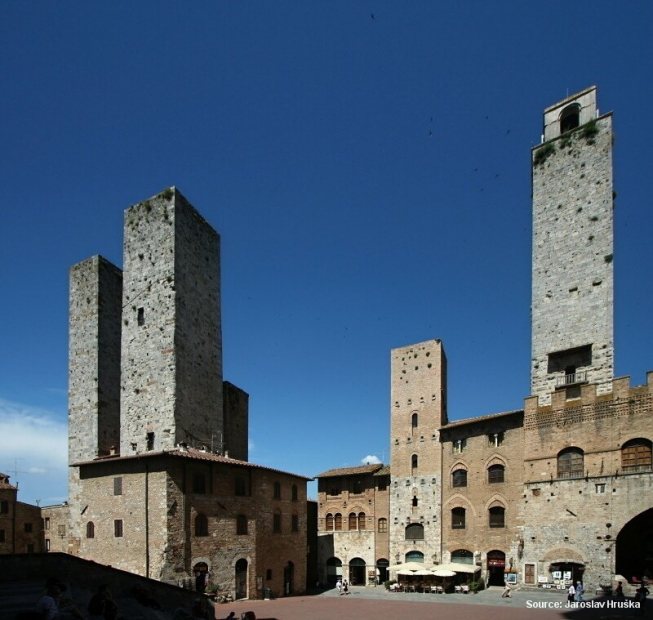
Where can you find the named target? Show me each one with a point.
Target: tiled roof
(187, 453)
(482, 418)
(350, 471)
(4, 482)
(384, 471)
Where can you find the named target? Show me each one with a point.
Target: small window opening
(141, 317)
(570, 118)
(150, 441)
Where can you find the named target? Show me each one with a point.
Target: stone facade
(352, 524)
(418, 411)
(159, 479)
(572, 282)
(20, 523)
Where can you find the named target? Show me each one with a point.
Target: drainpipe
(147, 521)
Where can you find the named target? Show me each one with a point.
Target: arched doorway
(357, 572)
(200, 572)
(289, 578)
(334, 570)
(382, 571)
(635, 547)
(241, 579)
(496, 564)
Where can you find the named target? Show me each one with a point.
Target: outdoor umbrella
(444, 573)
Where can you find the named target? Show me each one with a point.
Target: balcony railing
(572, 379)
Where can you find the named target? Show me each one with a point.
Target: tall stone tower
(572, 280)
(171, 371)
(418, 409)
(94, 359)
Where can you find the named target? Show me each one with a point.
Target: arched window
(329, 523)
(90, 530)
(361, 521)
(636, 455)
(294, 493)
(413, 464)
(414, 420)
(458, 518)
(383, 526)
(241, 524)
(570, 463)
(415, 531)
(462, 556)
(570, 118)
(338, 522)
(415, 556)
(353, 520)
(459, 478)
(496, 473)
(497, 516)
(201, 525)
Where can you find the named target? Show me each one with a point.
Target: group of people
(575, 592)
(342, 586)
(53, 605)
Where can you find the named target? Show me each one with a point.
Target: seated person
(51, 607)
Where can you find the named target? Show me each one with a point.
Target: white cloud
(34, 449)
(370, 459)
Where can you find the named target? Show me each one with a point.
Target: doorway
(241, 579)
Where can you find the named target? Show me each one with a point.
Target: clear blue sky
(367, 166)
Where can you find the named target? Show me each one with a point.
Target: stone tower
(572, 280)
(418, 410)
(171, 371)
(94, 359)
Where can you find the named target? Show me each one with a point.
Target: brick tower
(572, 280)
(418, 409)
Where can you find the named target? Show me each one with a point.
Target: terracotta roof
(351, 471)
(4, 482)
(186, 453)
(384, 471)
(482, 418)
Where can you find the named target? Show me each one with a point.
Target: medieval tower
(572, 279)
(418, 410)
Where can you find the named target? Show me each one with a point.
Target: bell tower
(572, 278)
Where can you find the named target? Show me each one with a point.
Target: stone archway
(334, 570)
(634, 547)
(200, 573)
(357, 572)
(496, 564)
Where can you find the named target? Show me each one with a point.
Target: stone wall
(171, 337)
(572, 281)
(418, 410)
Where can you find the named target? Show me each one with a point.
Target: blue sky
(367, 166)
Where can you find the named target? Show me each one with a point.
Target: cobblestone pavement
(378, 604)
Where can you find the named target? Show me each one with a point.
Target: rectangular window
(47, 544)
(46, 523)
(495, 439)
(61, 530)
(277, 490)
(4, 507)
(28, 528)
(241, 525)
(117, 486)
(383, 484)
(150, 441)
(383, 526)
(141, 317)
(600, 488)
(295, 523)
(276, 523)
(239, 486)
(199, 483)
(458, 445)
(117, 528)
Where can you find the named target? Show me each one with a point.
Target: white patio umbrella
(444, 573)
(410, 566)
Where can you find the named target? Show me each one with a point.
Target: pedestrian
(619, 591)
(640, 596)
(339, 586)
(579, 592)
(571, 592)
(345, 587)
(507, 593)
